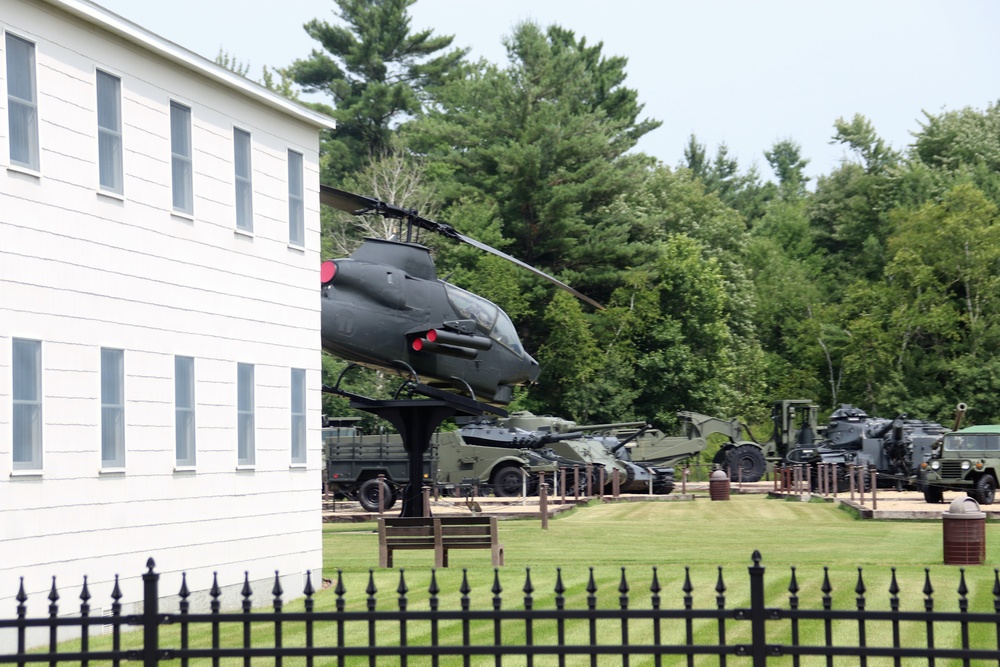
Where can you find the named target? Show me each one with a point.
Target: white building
(159, 316)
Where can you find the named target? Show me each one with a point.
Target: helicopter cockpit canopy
(490, 318)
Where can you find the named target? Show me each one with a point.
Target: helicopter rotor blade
(359, 205)
(529, 267)
(346, 201)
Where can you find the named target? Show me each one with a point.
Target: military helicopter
(385, 308)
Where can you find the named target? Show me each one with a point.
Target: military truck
(965, 460)
(353, 464)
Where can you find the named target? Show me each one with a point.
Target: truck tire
(368, 496)
(507, 482)
(748, 459)
(986, 488)
(932, 494)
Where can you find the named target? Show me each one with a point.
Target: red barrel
(964, 533)
(718, 486)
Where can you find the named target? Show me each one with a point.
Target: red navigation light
(431, 335)
(418, 344)
(327, 271)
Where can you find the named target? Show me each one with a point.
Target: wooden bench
(440, 534)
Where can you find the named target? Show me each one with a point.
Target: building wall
(81, 270)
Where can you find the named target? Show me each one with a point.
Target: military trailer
(965, 460)
(353, 464)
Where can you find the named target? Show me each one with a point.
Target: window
(109, 131)
(244, 412)
(22, 105)
(244, 184)
(180, 158)
(27, 369)
(112, 408)
(296, 213)
(184, 409)
(298, 415)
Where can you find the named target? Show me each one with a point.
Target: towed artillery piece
(896, 448)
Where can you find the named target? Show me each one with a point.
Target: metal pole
(758, 613)
(150, 617)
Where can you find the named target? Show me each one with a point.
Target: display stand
(417, 419)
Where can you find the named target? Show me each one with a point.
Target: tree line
(875, 285)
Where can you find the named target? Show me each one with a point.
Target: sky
(743, 73)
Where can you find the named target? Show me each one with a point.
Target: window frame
(108, 428)
(106, 132)
(243, 182)
(245, 416)
(296, 199)
(185, 416)
(17, 102)
(298, 439)
(182, 159)
(35, 460)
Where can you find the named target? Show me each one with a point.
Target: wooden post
(833, 478)
(850, 476)
(543, 500)
(427, 502)
(600, 482)
(684, 480)
(381, 493)
(874, 479)
(576, 483)
(562, 484)
(861, 483)
(590, 480)
(614, 484)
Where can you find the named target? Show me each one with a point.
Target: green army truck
(353, 464)
(965, 460)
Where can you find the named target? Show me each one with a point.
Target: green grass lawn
(683, 542)
(702, 535)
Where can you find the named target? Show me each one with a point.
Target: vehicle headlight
(965, 465)
(935, 465)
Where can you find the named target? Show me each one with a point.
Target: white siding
(80, 270)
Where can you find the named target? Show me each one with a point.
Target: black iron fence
(639, 630)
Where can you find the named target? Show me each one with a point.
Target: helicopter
(383, 307)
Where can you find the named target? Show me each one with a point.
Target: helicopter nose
(533, 370)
